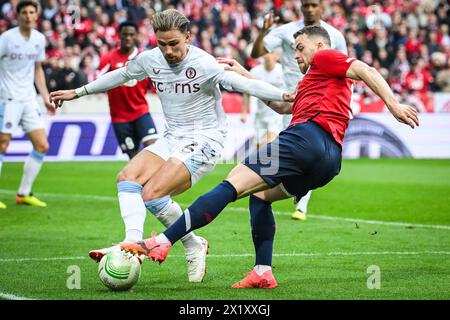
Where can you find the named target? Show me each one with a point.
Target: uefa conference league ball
(119, 270)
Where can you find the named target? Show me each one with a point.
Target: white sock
(260, 269)
(168, 215)
(132, 209)
(161, 238)
(31, 169)
(302, 205)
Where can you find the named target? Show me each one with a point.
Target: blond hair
(170, 19)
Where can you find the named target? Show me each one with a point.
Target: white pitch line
(282, 213)
(241, 255)
(9, 296)
(322, 254)
(388, 223)
(41, 259)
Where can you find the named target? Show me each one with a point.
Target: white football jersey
(275, 78)
(283, 37)
(18, 56)
(189, 91)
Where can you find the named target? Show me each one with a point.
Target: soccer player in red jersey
(132, 122)
(305, 156)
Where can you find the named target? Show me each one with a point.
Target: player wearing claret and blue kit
(22, 51)
(186, 80)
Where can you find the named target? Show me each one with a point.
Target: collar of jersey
(183, 61)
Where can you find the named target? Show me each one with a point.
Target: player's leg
(274, 125)
(191, 160)
(174, 178)
(262, 220)
(10, 114)
(32, 167)
(132, 208)
(302, 205)
(125, 136)
(33, 124)
(301, 208)
(145, 130)
(260, 131)
(263, 233)
(130, 181)
(241, 181)
(4, 143)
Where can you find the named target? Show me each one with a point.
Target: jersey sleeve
(332, 62)
(217, 71)
(135, 68)
(41, 53)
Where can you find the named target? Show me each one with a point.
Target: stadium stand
(408, 41)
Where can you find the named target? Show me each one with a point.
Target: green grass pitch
(392, 214)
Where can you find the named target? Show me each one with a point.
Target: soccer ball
(119, 270)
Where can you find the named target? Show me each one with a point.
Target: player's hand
(233, 65)
(58, 97)
(405, 114)
(51, 108)
(289, 97)
(269, 20)
(244, 117)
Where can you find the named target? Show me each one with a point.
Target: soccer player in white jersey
(267, 122)
(281, 37)
(187, 81)
(22, 51)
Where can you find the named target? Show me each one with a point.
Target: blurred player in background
(22, 51)
(309, 152)
(186, 80)
(132, 122)
(281, 38)
(267, 122)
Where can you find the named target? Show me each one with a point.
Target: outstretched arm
(406, 114)
(104, 83)
(280, 107)
(254, 87)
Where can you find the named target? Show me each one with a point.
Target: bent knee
(4, 142)
(153, 192)
(4, 146)
(42, 148)
(123, 176)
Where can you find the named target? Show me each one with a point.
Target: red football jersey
(127, 102)
(326, 92)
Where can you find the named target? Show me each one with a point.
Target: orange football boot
(253, 280)
(149, 247)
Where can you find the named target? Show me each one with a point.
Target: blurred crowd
(407, 41)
